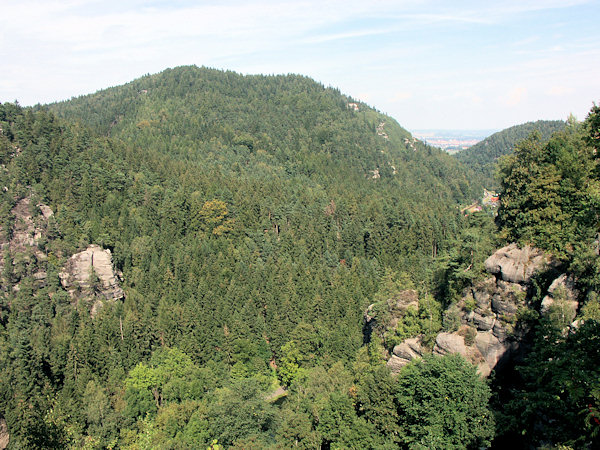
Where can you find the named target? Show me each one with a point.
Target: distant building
(353, 106)
(490, 198)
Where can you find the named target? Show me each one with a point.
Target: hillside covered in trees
(188, 261)
(483, 156)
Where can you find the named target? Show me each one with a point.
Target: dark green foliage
(232, 243)
(464, 263)
(483, 156)
(560, 378)
(252, 235)
(376, 402)
(550, 191)
(340, 427)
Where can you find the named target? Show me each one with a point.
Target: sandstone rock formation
(22, 238)
(516, 265)
(562, 290)
(4, 436)
(490, 332)
(90, 273)
(391, 311)
(405, 353)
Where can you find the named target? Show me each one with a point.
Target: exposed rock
(449, 343)
(22, 239)
(482, 296)
(25, 231)
(502, 305)
(404, 353)
(398, 305)
(563, 291)
(402, 301)
(483, 323)
(46, 211)
(396, 364)
(4, 436)
(500, 331)
(409, 349)
(488, 312)
(76, 276)
(564, 285)
(491, 348)
(514, 264)
(569, 307)
(394, 309)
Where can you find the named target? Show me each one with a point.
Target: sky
(430, 64)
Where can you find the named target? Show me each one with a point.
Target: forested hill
(251, 221)
(200, 259)
(288, 123)
(482, 157)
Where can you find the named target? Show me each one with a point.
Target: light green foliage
(142, 377)
(430, 318)
(171, 376)
(157, 170)
(443, 404)
(97, 403)
(240, 411)
(410, 325)
(211, 218)
(560, 314)
(591, 309)
(289, 368)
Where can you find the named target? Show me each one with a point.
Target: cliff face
(21, 243)
(86, 275)
(491, 330)
(90, 274)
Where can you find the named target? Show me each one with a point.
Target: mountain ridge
(483, 156)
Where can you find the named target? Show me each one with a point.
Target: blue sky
(429, 64)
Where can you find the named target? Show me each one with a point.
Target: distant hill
(289, 122)
(482, 157)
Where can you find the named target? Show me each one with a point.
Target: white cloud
(559, 91)
(401, 96)
(406, 57)
(515, 96)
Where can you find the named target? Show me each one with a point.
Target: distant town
(452, 140)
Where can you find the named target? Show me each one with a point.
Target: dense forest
(483, 156)
(251, 222)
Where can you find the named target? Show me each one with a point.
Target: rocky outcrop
(514, 264)
(4, 436)
(563, 290)
(387, 314)
(405, 353)
(398, 305)
(20, 239)
(450, 343)
(90, 273)
(490, 333)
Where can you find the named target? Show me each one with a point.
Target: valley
(204, 259)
